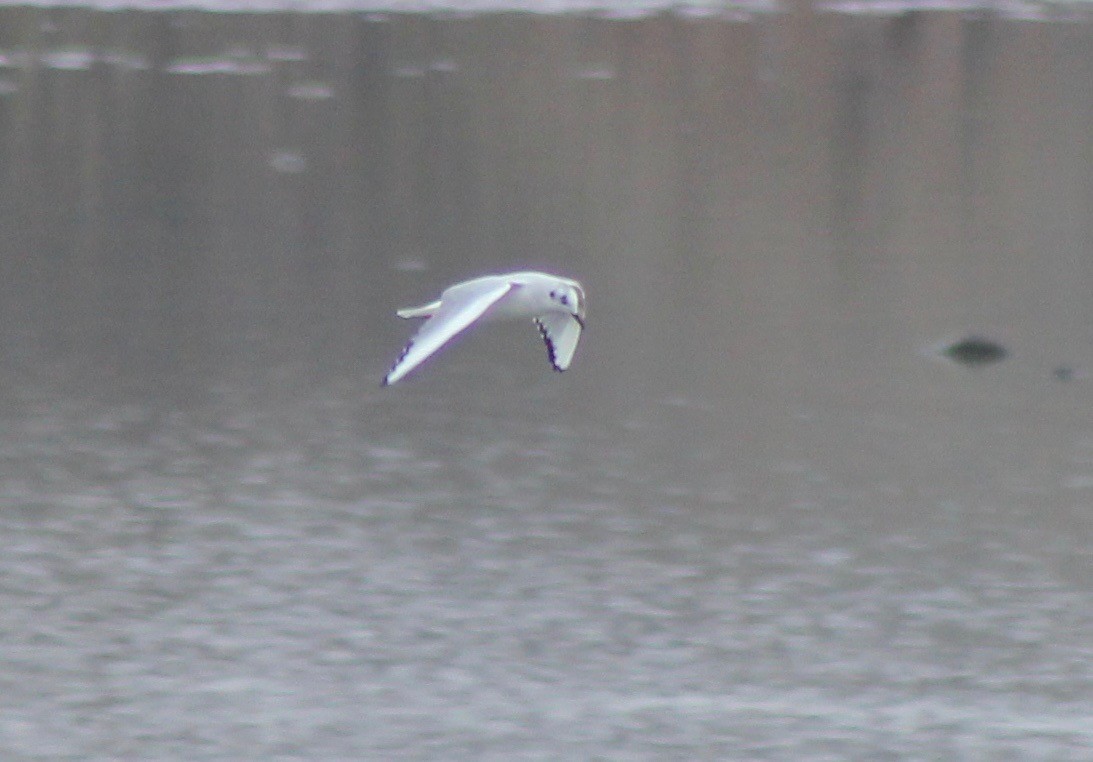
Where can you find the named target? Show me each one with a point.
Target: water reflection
(753, 520)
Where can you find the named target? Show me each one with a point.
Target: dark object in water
(1063, 373)
(975, 350)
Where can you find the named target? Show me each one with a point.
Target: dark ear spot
(552, 293)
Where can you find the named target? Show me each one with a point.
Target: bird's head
(569, 295)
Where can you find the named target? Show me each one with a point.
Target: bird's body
(556, 304)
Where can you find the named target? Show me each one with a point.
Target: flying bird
(556, 304)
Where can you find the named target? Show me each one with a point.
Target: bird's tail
(427, 310)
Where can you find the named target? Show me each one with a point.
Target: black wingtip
(402, 356)
(551, 354)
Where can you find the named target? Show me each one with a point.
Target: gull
(556, 304)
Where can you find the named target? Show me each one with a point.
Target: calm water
(761, 517)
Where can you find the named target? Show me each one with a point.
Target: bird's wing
(457, 313)
(561, 333)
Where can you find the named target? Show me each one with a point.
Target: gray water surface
(762, 517)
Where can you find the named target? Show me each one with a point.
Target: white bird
(557, 305)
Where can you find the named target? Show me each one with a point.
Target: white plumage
(556, 304)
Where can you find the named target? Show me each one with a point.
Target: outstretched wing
(456, 314)
(561, 333)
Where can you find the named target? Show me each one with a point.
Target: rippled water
(340, 575)
(764, 516)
